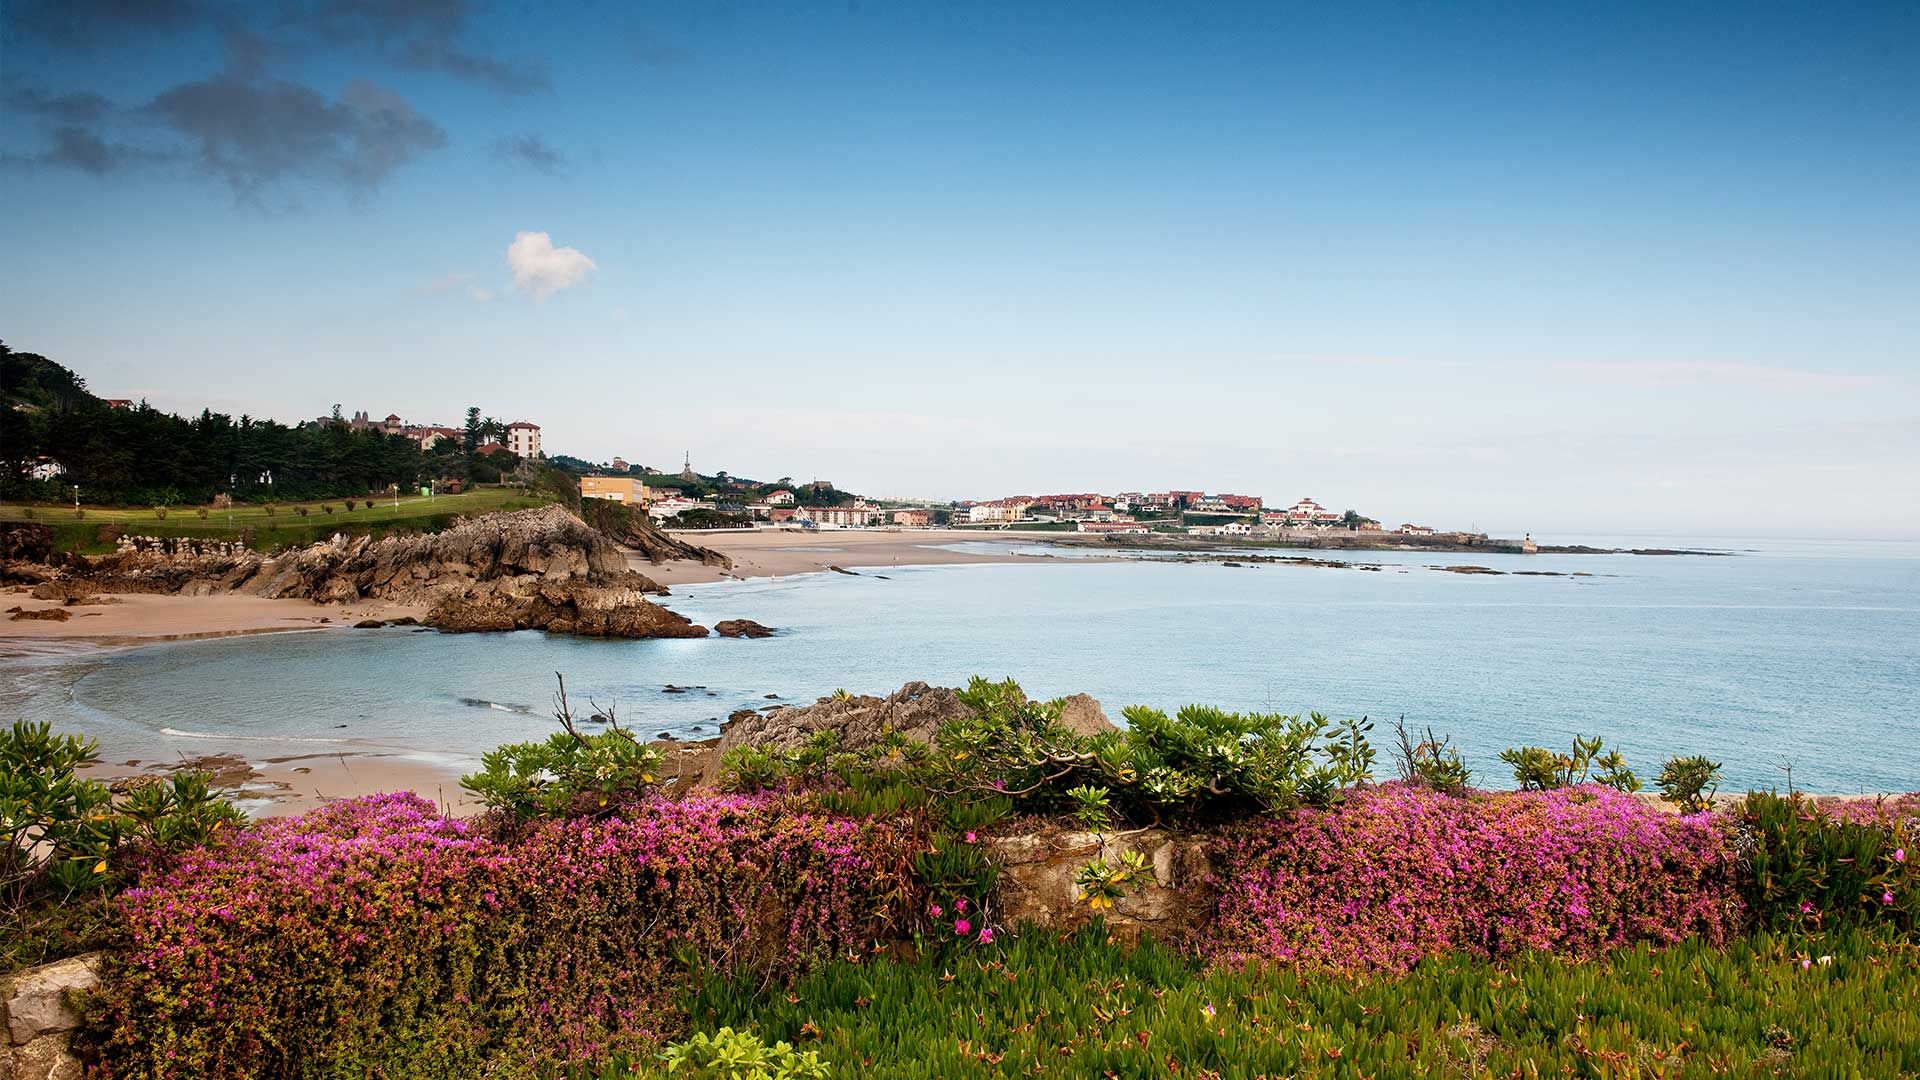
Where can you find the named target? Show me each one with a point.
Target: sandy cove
(294, 783)
(144, 618)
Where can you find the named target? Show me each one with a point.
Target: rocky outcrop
(51, 614)
(633, 528)
(25, 541)
(547, 544)
(563, 608)
(742, 628)
(1082, 715)
(37, 1006)
(538, 569)
(916, 710)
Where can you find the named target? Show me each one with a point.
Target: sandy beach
(145, 618)
(778, 552)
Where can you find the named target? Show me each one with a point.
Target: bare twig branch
(564, 712)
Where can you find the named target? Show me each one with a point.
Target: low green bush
(1202, 762)
(569, 773)
(1537, 768)
(1814, 864)
(67, 841)
(1689, 783)
(726, 1055)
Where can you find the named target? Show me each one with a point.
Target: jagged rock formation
(547, 544)
(529, 569)
(1082, 715)
(25, 541)
(636, 530)
(561, 609)
(916, 710)
(742, 628)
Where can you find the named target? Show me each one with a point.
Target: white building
(845, 517)
(524, 438)
(997, 511)
(665, 509)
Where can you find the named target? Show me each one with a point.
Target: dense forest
(139, 455)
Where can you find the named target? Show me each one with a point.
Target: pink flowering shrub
(376, 938)
(1395, 874)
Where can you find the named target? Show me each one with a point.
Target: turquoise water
(1804, 654)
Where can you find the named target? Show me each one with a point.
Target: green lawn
(1038, 1005)
(283, 527)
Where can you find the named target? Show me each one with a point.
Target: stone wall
(1037, 886)
(37, 1008)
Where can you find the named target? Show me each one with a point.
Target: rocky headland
(539, 569)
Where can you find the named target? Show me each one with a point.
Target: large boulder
(1082, 715)
(742, 628)
(916, 710)
(564, 608)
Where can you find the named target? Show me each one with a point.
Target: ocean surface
(1799, 654)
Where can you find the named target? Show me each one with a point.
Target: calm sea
(1799, 654)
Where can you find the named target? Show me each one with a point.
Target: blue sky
(1553, 267)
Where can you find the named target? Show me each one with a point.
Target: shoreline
(761, 553)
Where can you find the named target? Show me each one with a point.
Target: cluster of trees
(140, 455)
(721, 486)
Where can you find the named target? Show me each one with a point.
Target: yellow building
(620, 489)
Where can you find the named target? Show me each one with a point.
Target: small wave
(483, 703)
(178, 734)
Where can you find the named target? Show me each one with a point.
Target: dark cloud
(72, 147)
(424, 35)
(530, 150)
(504, 76)
(418, 35)
(249, 125)
(81, 107)
(88, 24)
(255, 134)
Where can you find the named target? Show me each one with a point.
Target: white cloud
(542, 269)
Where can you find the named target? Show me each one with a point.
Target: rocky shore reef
(541, 569)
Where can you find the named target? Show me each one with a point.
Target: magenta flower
(936, 910)
(1899, 854)
(971, 838)
(1886, 897)
(986, 935)
(962, 927)
(1207, 1011)
(1806, 907)
(960, 905)
(1805, 963)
